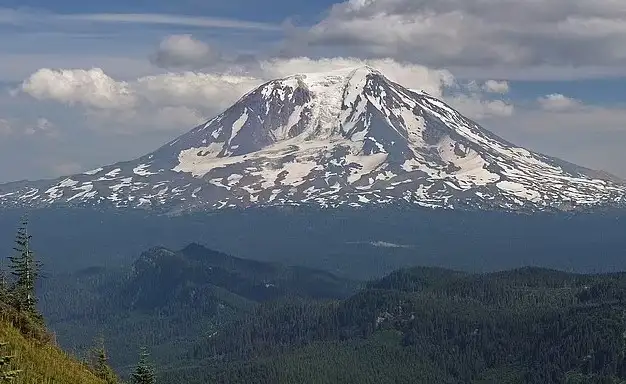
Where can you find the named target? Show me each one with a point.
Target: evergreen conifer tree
(25, 269)
(7, 374)
(101, 366)
(144, 372)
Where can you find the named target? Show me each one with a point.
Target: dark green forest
(208, 317)
(168, 300)
(426, 325)
(200, 316)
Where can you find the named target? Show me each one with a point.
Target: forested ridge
(205, 317)
(426, 325)
(168, 300)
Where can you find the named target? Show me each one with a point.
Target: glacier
(347, 137)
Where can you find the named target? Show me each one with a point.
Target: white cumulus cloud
(168, 101)
(474, 107)
(411, 76)
(183, 51)
(92, 88)
(475, 33)
(180, 100)
(558, 102)
(495, 86)
(210, 91)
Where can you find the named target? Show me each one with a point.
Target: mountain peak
(295, 109)
(330, 88)
(343, 137)
(345, 73)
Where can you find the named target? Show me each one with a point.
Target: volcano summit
(347, 137)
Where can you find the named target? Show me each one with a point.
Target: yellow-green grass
(41, 362)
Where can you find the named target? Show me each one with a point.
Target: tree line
(18, 294)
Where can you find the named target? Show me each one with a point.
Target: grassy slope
(42, 362)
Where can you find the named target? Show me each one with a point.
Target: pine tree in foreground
(25, 269)
(101, 366)
(7, 374)
(144, 372)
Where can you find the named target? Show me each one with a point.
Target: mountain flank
(351, 138)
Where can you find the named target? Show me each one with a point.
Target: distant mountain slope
(160, 276)
(170, 298)
(344, 138)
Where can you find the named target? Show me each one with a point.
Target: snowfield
(347, 137)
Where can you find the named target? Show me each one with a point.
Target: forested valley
(200, 316)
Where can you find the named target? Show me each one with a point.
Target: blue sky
(86, 83)
(268, 11)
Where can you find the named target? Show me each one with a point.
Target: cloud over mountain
(476, 33)
(183, 51)
(558, 102)
(188, 95)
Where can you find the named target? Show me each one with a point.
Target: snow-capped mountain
(348, 137)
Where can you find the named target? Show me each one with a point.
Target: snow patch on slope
(360, 140)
